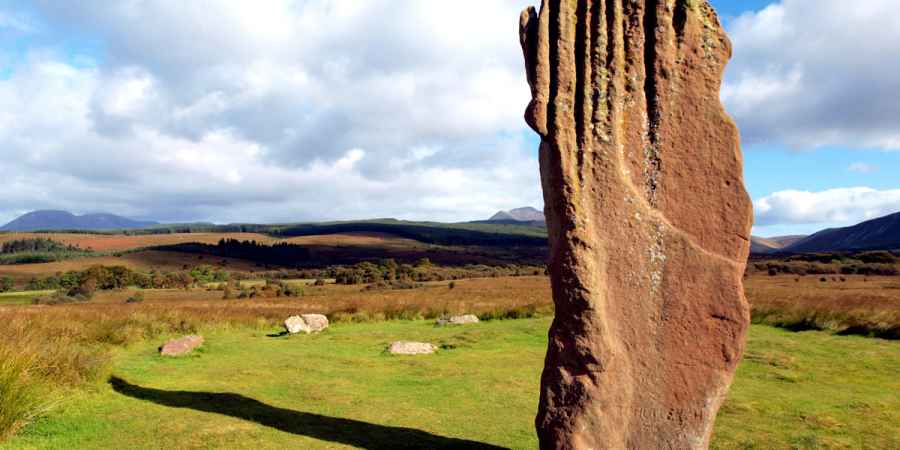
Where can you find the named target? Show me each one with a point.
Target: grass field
(246, 389)
(21, 297)
(249, 387)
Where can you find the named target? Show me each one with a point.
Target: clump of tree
(114, 278)
(35, 245)
(882, 263)
(280, 254)
(37, 250)
(271, 289)
(389, 271)
(209, 274)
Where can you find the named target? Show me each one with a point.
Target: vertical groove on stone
(651, 97)
(679, 19)
(615, 47)
(596, 87)
(584, 38)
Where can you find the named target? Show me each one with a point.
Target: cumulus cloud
(843, 206)
(280, 110)
(811, 74)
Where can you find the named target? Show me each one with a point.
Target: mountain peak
(523, 214)
(53, 220)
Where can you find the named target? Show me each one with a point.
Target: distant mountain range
(63, 220)
(882, 233)
(877, 234)
(524, 214)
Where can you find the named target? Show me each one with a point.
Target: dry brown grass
(107, 319)
(142, 261)
(478, 296)
(120, 243)
(360, 239)
(856, 305)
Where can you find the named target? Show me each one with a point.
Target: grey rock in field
(465, 319)
(411, 348)
(306, 323)
(179, 347)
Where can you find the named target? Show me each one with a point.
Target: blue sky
(228, 111)
(729, 9)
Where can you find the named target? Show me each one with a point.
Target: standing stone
(182, 346)
(647, 216)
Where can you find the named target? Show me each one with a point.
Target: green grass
(813, 390)
(22, 297)
(245, 389)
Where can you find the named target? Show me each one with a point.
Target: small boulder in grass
(465, 319)
(411, 348)
(306, 323)
(181, 347)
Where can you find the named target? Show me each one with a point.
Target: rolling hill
(761, 245)
(882, 233)
(62, 220)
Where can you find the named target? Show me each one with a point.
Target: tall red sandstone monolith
(648, 220)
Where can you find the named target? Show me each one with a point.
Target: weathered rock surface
(306, 323)
(648, 219)
(180, 347)
(465, 319)
(411, 348)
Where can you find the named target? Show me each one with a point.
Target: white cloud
(842, 206)
(810, 74)
(861, 167)
(287, 110)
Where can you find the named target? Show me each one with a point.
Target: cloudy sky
(299, 110)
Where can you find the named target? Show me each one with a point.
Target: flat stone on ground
(182, 346)
(464, 319)
(411, 348)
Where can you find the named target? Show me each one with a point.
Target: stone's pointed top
(647, 216)
(533, 35)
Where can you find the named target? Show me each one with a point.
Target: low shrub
(59, 298)
(138, 297)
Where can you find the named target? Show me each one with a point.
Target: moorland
(79, 366)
